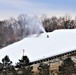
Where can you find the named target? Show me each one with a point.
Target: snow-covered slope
(39, 46)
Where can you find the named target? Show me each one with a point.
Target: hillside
(40, 46)
(14, 30)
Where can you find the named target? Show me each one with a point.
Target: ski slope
(39, 46)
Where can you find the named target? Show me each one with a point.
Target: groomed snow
(39, 46)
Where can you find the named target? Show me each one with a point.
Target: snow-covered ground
(39, 46)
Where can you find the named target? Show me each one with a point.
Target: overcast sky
(12, 8)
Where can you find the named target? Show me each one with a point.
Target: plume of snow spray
(30, 25)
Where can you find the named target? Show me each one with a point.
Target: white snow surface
(39, 47)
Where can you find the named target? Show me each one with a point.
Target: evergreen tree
(23, 61)
(67, 67)
(43, 69)
(6, 62)
(24, 66)
(7, 66)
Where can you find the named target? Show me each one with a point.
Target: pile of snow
(59, 41)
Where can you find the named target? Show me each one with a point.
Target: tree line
(13, 30)
(53, 23)
(22, 67)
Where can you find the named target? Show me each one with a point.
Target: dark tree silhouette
(7, 66)
(67, 67)
(24, 66)
(24, 61)
(6, 61)
(43, 69)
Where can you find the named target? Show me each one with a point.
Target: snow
(23, 26)
(39, 46)
(30, 25)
